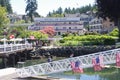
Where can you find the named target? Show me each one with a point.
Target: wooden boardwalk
(13, 53)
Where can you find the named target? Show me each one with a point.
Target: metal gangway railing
(6, 48)
(109, 57)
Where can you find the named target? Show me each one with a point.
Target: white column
(4, 43)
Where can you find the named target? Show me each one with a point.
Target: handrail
(14, 47)
(64, 65)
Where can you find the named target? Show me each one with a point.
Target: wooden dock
(10, 74)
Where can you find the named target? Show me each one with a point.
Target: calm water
(107, 74)
(77, 77)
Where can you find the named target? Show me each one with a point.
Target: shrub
(88, 40)
(109, 42)
(115, 32)
(62, 41)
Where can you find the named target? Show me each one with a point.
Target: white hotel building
(61, 25)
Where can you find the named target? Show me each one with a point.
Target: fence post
(11, 47)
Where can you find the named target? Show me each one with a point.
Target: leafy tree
(31, 8)
(20, 22)
(38, 35)
(94, 8)
(7, 5)
(4, 21)
(110, 9)
(36, 14)
(21, 31)
(18, 31)
(48, 30)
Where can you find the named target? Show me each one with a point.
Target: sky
(46, 6)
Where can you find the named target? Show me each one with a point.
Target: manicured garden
(85, 40)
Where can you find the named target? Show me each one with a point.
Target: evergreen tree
(78, 10)
(66, 10)
(73, 11)
(36, 14)
(60, 11)
(31, 8)
(54, 12)
(69, 10)
(49, 14)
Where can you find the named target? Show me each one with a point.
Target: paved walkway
(7, 71)
(10, 74)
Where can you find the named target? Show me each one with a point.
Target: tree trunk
(31, 17)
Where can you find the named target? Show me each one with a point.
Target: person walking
(50, 60)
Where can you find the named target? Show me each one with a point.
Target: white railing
(109, 57)
(14, 47)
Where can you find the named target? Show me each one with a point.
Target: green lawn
(90, 71)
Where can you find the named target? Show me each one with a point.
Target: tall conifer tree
(110, 9)
(31, 8)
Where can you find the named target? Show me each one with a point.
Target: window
(64, 27)
(97, 22)
(75, 27)
(56, 28)
(100, 26)
(101, 21)
(59, 33)
(69, 27)
(111, 24)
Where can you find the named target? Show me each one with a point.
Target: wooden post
(25, 56)
(13, 58)
(19, 57)
(4, 62)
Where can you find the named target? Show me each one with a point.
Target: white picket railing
(109, 57)
(14, 47)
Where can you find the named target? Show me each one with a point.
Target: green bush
(109, 42)
(71, 43)
(88, 40)
(115, 32)
(62, 41)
